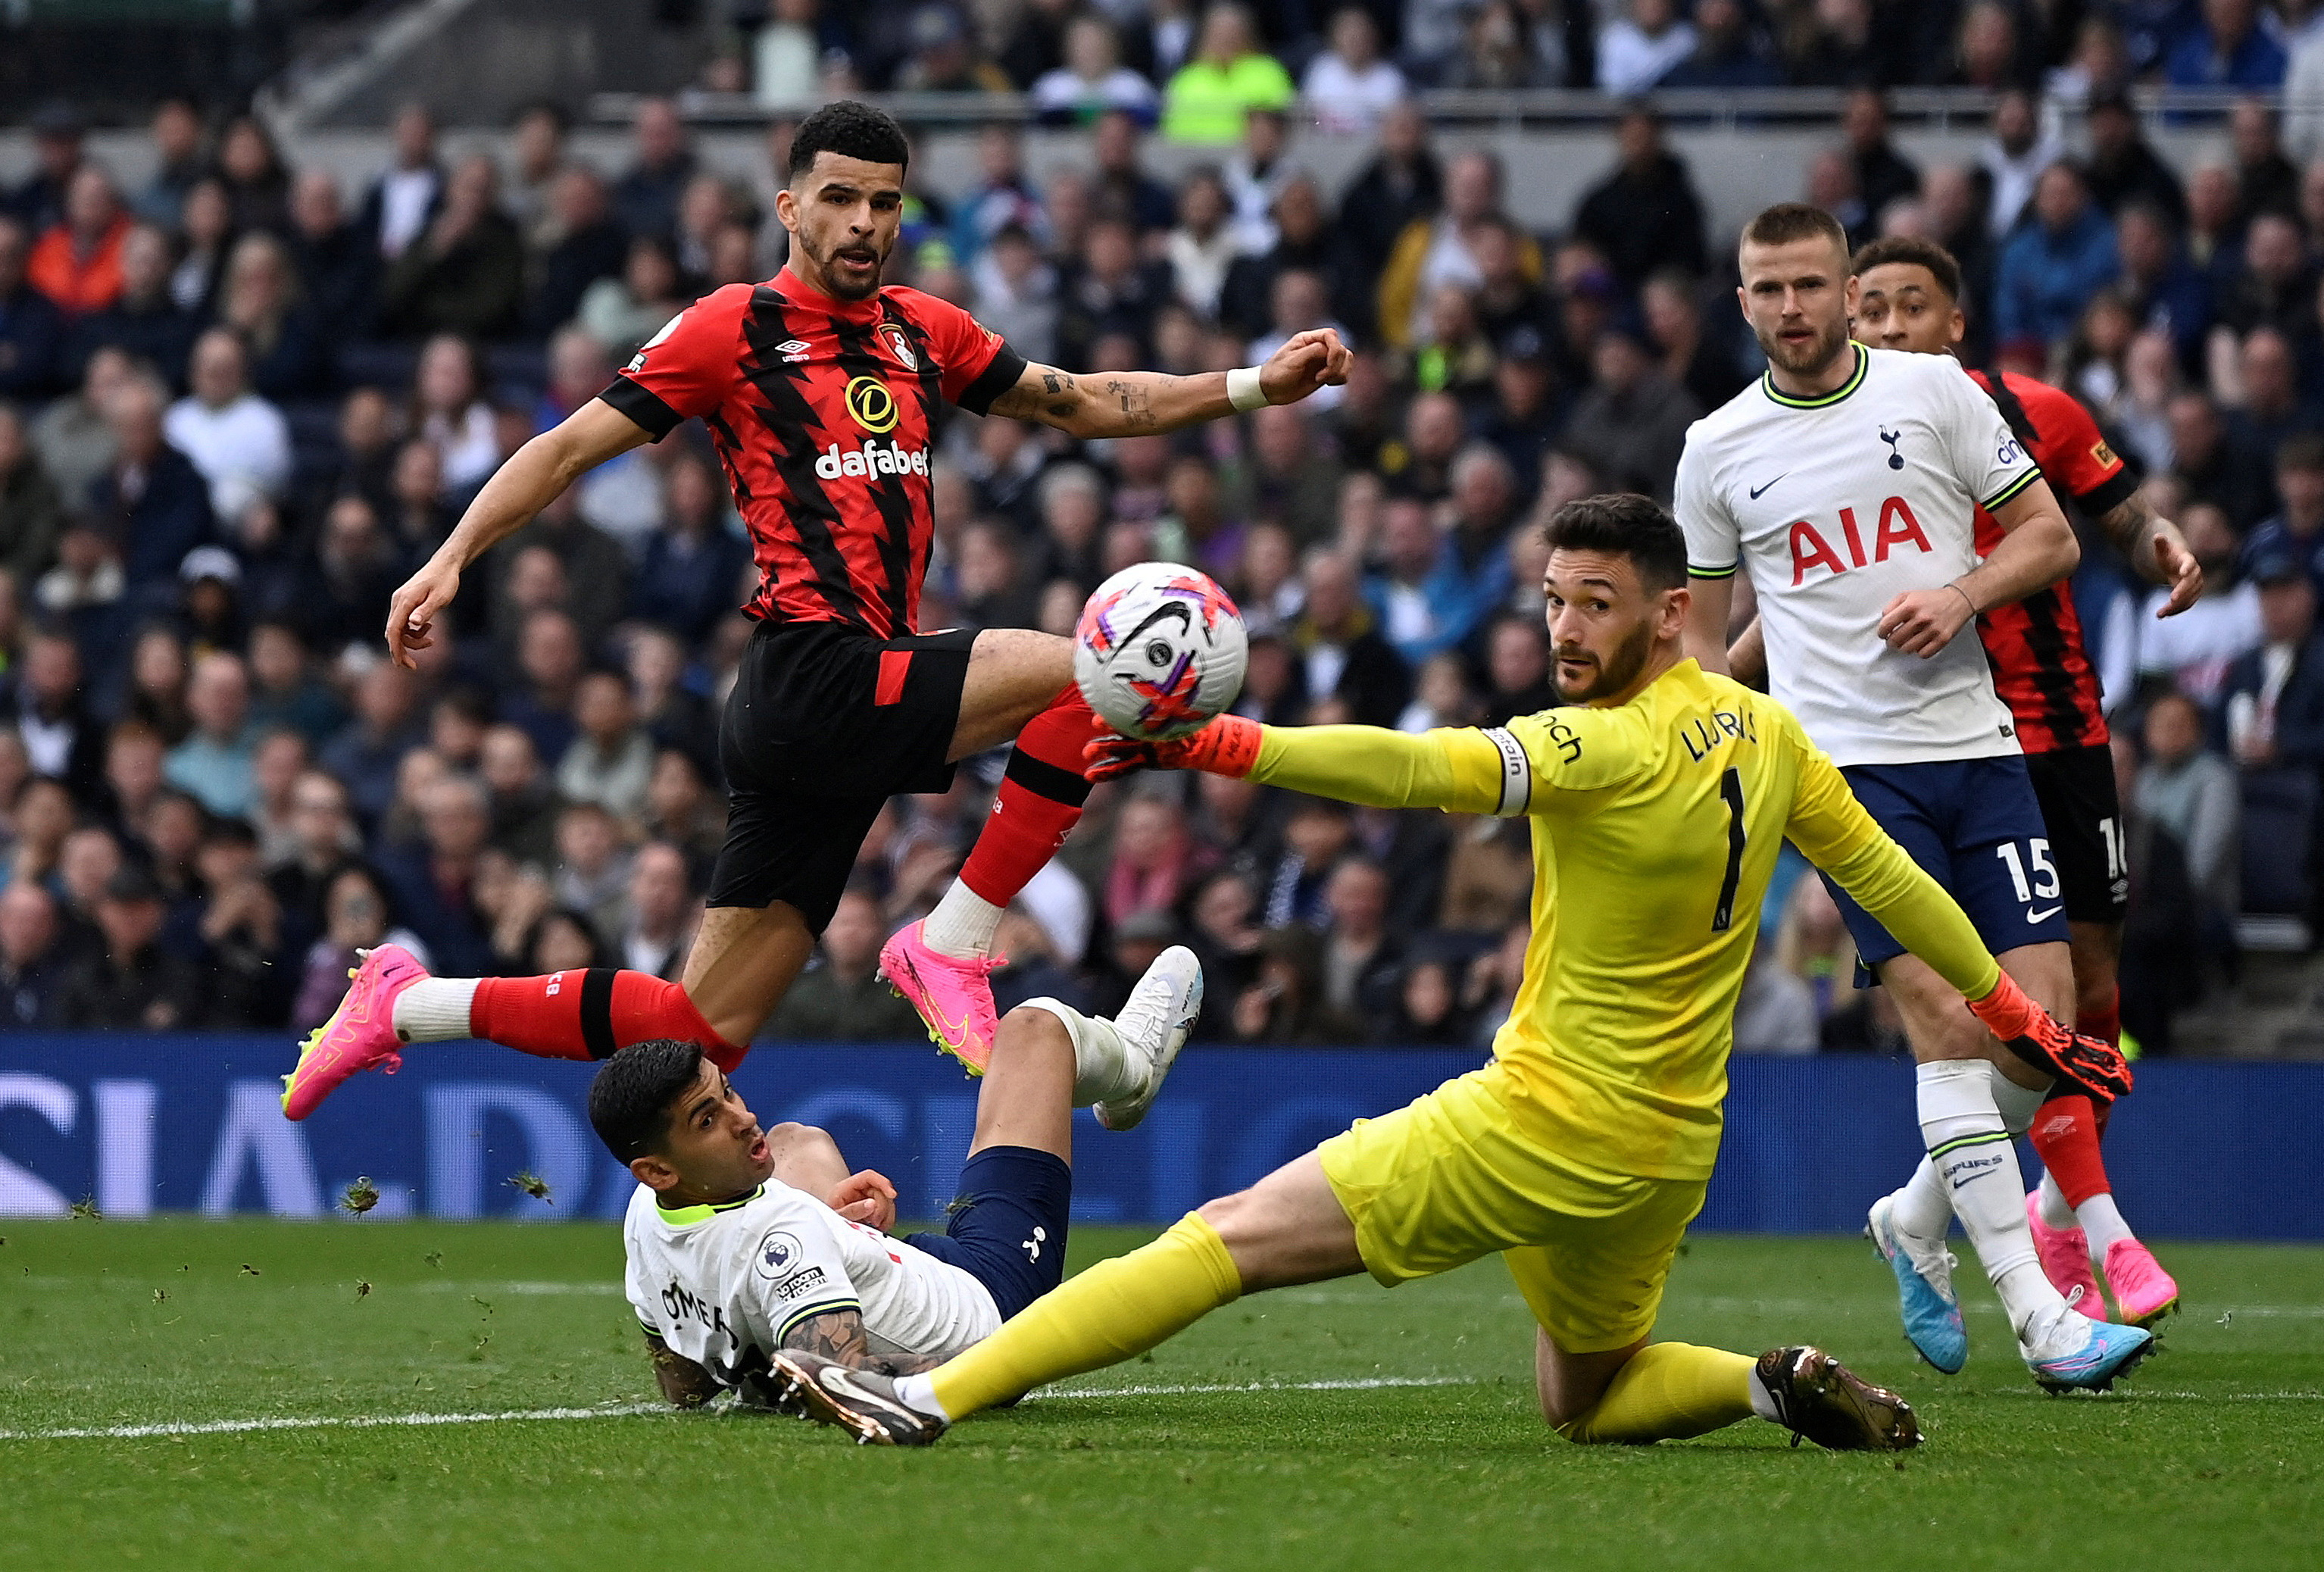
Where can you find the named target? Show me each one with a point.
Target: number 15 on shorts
(2033, 876)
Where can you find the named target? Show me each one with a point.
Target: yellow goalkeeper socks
(1116, 1309)
(1670, 1391)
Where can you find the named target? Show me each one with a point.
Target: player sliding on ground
(1845, 485)
(1581, 1153)
(743, 1243)
(821, 390)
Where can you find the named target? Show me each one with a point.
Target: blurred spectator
(1292, 481)
(946, 57)
(1091, 79)
(2193, 794)
(32, 514)
(2169, 293)
(176, 130)
(1705, 366)
(1285, 1005)
(257, 185)
(1400, 187)
(1728, 51)
(1646, 214)
(1228, 75)
(1774, 1012)
(2053, 264)
(1154, 861)
(238, 440)
(366, 752)
(841, 998)
(1124, 190)
(31, 328)
(285, 692)
(58, 133)
(622, 313)
(1110, 291)
(694, 564)
(278, 761)
(1812, 945)
(676, 714)
(2123, 167)
(646, 197)
(152, 502)
(1516, 668)
(1991, 50)
(2195, 649)
(587, 244)
(1017, 293)
(1204, 243)
(44, 816)
(51, 715)
(260, 300)
(338, 267)
(344, 593)
(77, 264)
(2276, 286)
(524, 804)
(359, 915)
(214, 762)
(536, 157)
(1631, 423)
(31, 972)
(2273, 410)
(549, 660)
(2229, 49)
(563, 940)
(157, 682)
(205, 229)
(434, 884)
(1883, 174)
(1641, 45)
(1348, 87)
(400, 204)
(2213, 464)
(593, 868)
(2274, 699)
(2014, 159)
(74, 435)
(130, 984)
(654, 939)
(682, 810)
(2296, 532)
(239, 934)
(449, 408)
(465, 273)
(611, 759)
(1341, 650)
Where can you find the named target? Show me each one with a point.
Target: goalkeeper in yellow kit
(1581, 1152)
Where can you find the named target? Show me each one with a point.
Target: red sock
(2104, 1024)
(589, 1014)
(2066, 1134)
(1039, 802)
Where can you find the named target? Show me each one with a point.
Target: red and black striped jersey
(2034, 646)
(823, 412)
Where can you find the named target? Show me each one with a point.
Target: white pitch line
(626, 1410)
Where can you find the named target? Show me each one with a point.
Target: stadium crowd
(242, 402)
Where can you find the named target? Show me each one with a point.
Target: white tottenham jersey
(1836, 505)
(724, 1285)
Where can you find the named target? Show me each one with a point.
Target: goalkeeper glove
(1228, 745)
(2036, 1036)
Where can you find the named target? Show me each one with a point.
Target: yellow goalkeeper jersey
(1655, 826)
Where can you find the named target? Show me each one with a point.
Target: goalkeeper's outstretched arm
(1459, 769)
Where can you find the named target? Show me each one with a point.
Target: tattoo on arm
(683, 1382)
(2129, 524)
(1058, 397)
(1137, 404)
(839, 1336)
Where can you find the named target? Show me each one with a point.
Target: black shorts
(825, 724)
(2075, 786)
(1008, 1229)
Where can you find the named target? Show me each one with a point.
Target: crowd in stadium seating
(238, 403)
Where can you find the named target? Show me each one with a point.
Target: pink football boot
(2144, 1293)
(2065, 1255)
(952, 995)
(360, 1034)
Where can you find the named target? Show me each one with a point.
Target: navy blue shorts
(1975, 827)
(1008, 1229)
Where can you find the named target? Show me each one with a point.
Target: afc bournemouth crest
(901, 345)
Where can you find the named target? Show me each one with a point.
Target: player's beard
(1615, 672)
(1819, 354)
(840, 286)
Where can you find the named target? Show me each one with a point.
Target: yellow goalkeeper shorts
(1455, 1175)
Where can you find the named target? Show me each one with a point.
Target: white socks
(962, 925)
(2098, 1218)
(919, 1394)
(1104, 1067)
(435, 1010)
(1975, 1159)
(1921, 1210)
(1763, 1401)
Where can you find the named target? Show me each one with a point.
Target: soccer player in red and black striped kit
(1909, 300)
(820, 388)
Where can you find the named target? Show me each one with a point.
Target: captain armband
(1516, 773)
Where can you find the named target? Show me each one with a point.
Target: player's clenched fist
(1923, 621)
(1307, 361)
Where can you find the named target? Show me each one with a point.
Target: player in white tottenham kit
(743, 1242)
(1844, 483)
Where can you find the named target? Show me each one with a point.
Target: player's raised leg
(1018, 685)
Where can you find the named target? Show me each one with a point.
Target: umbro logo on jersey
(793, 350)
(1757, 489)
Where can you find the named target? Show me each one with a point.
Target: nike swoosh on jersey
(2044, 915)
(1757, 489)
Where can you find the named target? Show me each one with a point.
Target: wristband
(1243, 391)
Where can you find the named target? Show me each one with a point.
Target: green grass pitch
(1394, 1430)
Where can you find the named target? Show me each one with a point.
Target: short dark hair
(1788, 221)
(1911, 250)
(851, 130)
(1627, 524)
(2302, 450)
(629, 1101)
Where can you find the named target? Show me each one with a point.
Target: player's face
(1603, 623)
(716, 1147)
(1797, 298)
(1899, 306)
(843, 215)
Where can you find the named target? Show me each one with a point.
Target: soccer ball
(1159, 650)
